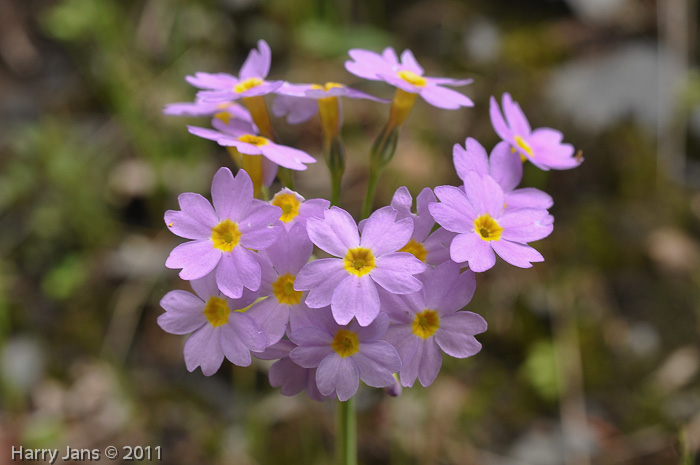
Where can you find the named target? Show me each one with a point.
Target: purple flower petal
(196, 258)
(376, 363)
(408, 61)
(212, 81)
(506, 167)
(234, 348)
(383, 234)
(357, 297)
(183, 225)
(448, 290)
(430, 362)
(320, 277)
(423, 223)
(528, 197)
(198, 208)
(336, 233)
(205, 287)
(287, 156)
(401, 308)
(291, 251)
(515, 116)
(371, 332)
(247, 266)
(338, 374)
(469, 247)
(183, 312)
(484, 194)
(525, 225)
(442, 97)
(272, 318)
(454, 212)
(456, 334)
(394, 272)
(499, 124)
(247, 330)
(404, 341)
(203, 348)
(471, 158)
(231, 196)
(258, 62)
(519, 255)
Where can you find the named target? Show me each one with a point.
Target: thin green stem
(334, 153)
(374, 171)
(346, 433)
(335, 188)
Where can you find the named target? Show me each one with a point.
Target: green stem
(374, 171)
(334, 153)
(346, 433)
(286, 177)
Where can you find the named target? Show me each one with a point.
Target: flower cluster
(388, 297)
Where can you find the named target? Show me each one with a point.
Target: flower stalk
(346, 433)
(333, 149)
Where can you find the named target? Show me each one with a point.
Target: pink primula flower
(218, 330)
(222, 87)
(477, 215)
(543, 147)
(407, 75)
(344, 355)
(349, 282)
(243, 135)
(429, 321)
(225, 237)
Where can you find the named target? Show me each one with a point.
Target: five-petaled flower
(349, 282)
(427, 321)
(244, 136)
(223, 87)
(477, 215)
(345, 354)
(407, 75)
(225, 237)
(219, 328)
(543, 147)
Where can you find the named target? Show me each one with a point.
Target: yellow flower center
(486, 227)
(359, 261)
(412, 78)
(415, 248)
(327, 86)
(246, 85)
(225, 235)
(289, 203)
(524, 145)
(217, 311)
(426, 323)
(345, 343)
(223, 115)
(253, 140)
(283, 289)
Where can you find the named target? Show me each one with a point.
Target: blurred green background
(591, 357)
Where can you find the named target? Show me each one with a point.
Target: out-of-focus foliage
(590, 357)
